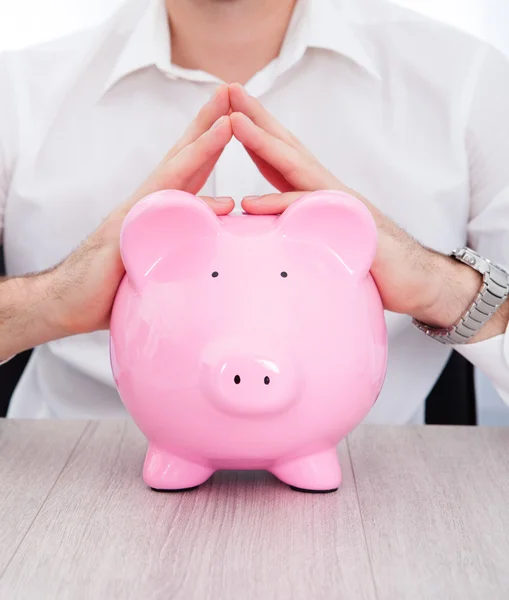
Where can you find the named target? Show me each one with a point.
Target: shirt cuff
(492, 358)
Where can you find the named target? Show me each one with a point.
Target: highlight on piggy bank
(247, 342)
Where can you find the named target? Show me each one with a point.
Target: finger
(216, 107)
(180, 172)
(270, 174)
(191, 159)
(270, 204)
(199, 179)
(242, 102)
(299, 170)
(222, 205)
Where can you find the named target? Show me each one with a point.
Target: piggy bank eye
(284, 274)
(215, 274)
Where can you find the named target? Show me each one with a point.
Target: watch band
(494, 291)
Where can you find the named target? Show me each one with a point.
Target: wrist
(46, 289)
(454, 287)
(24, 320)
(39, 302)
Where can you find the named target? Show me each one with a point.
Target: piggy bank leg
(318, 473)
(166, 472)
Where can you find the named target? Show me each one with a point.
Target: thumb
(270, 204)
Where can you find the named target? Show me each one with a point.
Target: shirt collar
(334, 25)
(326, 24)
(148, 44)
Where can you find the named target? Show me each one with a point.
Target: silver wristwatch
(493, 292)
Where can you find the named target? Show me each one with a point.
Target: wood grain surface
(32, 456)
(435, 509)
(422, 513)
(102, 534)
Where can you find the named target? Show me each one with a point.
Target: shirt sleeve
(487, 144)
(7, 142)
(7, 134)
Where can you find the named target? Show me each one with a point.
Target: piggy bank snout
(251, 384)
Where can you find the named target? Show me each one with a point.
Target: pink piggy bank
(247, 342)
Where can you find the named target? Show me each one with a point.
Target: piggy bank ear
(337, 221)
(166, 236)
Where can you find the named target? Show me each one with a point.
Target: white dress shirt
(409, 112)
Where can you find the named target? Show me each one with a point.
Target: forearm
(27, 314)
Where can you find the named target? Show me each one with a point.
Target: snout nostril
(236, 379)
(266, 380)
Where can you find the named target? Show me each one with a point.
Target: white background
(24, 22)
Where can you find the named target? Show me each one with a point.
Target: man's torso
(397, 138)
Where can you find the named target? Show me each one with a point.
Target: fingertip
(253, 206)
(238, 95)
(237, 89)
(222, 93)
(220, 205)
(238, 120)
(220, 122)
(270, 204)
(223, 207)
(219, 103)
(219, 91)
(223, 127)
(236, 115)
(245, 205)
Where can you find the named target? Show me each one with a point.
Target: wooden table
(423, 512)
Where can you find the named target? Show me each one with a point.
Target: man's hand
(412, 279)
(76, 296)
